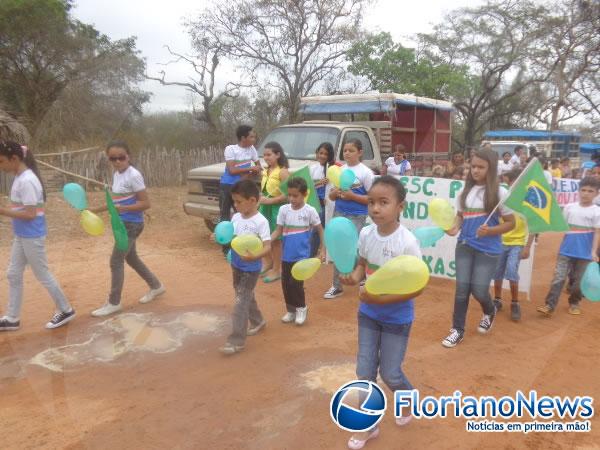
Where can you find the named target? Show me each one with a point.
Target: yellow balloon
(442, 213)
(305, 268)
(333, 175)
(402, 275)
(247, 242)
(91, 223)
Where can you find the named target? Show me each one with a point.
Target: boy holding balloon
(384, 320)
(246, 264)
(578, 248)
(350, 197)
(295, 222)
(27, 199)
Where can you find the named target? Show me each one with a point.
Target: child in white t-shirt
(27, 199)
(131, 200)
(247, 320)
(384, 321)
(296, 222)
(352, 203)
(578, 248)
(397, 165)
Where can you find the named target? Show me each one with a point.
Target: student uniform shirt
(474, 215)
(377, 250)
(243, 157)
(583, 222)
(504, 167)
(256, 225)
(297, 226)
(27, 190)
(397, 169)
(124, 189)
(317, 173)
(362, 183)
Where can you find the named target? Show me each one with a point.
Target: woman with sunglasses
(131, 200)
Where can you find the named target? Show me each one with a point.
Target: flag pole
(501, 202)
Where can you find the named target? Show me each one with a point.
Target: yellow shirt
(518, 235)
(556, 173)
(271, 181)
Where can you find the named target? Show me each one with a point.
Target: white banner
(566, 190)
(440, 258)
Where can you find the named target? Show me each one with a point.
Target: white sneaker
(333, 292)
(152, 294)
(301, 315)
(106, 310)
(289, 317)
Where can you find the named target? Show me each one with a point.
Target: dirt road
(152, 377)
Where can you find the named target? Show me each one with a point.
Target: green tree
(390, 67)
(494, 41)
(51, 61)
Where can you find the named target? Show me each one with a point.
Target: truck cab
(299, 141)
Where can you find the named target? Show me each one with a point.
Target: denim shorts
(508, 263)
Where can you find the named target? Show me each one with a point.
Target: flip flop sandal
(357, 444)
(264, 272)
(271, 279)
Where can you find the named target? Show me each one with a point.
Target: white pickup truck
(299, 142)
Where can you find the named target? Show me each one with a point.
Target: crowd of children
(491, 243)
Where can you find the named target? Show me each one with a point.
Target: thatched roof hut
(12, 129)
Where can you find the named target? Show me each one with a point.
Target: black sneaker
(498, 304)
(486, 323)
(8, 325)
(515, 311)
(60, 318)
(453, 339)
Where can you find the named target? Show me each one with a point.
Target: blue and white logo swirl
(345, 413)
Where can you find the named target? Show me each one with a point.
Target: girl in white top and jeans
(29, 225)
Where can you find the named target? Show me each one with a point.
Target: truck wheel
(211, 224)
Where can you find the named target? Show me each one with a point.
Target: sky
(157, 23)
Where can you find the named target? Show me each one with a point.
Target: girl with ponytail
(27, 197)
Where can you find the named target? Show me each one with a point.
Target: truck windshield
(301, 142)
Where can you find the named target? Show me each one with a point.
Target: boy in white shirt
(578, 248)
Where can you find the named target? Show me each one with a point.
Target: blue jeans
(382, 346)
(474, 272)
(508, 263)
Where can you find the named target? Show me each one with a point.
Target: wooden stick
(71, 174)
(43, 155)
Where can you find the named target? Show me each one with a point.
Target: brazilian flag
(531, 196)
(311, 198)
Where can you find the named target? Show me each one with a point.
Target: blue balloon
(341, 241)
(347, 179)
(228, 256)
(224, 232)
(428, 236)
(590, 282)
(75, 196)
